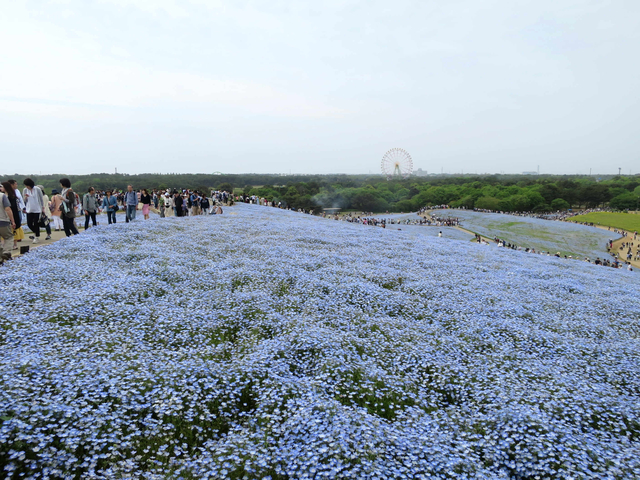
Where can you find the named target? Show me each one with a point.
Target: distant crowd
(614, 262)
(559, 215)
(67, 210)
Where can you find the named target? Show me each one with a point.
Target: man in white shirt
(34, 204)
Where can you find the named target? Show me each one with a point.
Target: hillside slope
(265, 343)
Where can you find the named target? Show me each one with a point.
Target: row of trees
(491, 193)
(375, 194)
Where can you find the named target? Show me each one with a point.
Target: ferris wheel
(397, 163)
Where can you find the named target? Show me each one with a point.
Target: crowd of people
(66, 210)
(614, 262)
(424, 219)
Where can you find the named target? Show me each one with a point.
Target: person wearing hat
(168, 205)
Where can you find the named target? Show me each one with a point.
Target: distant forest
(510, 193)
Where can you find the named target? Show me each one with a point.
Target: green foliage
(559, 204)
(624, 201)
(405, 206)
(488, 203)
(376, 194)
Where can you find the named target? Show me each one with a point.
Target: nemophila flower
(538, 233)
(269, 344)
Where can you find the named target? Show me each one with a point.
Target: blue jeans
(131, 212)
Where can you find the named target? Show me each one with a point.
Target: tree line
(509, 193)
(500, 193)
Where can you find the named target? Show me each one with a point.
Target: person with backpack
(34, 204)
(90, 207)
(68, 207)
(131, 204)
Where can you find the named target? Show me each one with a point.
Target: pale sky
(328, 86)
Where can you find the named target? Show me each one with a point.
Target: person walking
(204, 204)
(90, 207)
(68, 207)
(54, 207)
(34, 204)
(20, 200)
(110, 204)
(169, 209)
(177, 204)
(160, 206)
(47, 212)
(18, 232)
(195, 203)
(7, 225)
(131, 203)
(145, 199)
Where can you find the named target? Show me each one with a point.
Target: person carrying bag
(68, 208)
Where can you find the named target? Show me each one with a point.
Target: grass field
(625, 221)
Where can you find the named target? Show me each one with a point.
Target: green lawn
(625, 221)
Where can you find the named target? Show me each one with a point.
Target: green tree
(488, 203)
(367, 202)
(560, 204)
(404, 206)
(626, 201)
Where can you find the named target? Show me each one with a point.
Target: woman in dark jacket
(145, 199)
(177, 199)
(18, 233)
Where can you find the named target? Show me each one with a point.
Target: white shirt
(34, 197)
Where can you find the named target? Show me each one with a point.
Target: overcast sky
(319, 86)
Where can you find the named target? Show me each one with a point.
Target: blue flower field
(267, 344)
(543, 235)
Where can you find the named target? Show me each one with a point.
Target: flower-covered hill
(269, 344)
(543, 235)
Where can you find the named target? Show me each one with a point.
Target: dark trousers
(33, 221)
(131, 212)
(88, 215)
(69, 226)
(111, 216)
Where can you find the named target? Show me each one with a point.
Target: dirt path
(617, 243)
(57, 235)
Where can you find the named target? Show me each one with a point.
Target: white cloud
(49, 66)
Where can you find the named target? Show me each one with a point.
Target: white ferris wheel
(397, 163)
